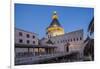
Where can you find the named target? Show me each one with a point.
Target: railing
(39, 58)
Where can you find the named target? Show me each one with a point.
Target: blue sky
(36, 18)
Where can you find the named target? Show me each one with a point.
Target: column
(38, 51)
(28, 50)
(33, 52)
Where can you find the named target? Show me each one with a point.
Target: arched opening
(67, 47)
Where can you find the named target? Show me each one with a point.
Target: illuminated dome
(54, 28)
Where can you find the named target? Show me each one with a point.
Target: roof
(54, 22)
(25, 31)
(49, 42)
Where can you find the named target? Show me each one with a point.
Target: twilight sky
(36, 18)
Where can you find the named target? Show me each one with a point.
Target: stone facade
(25, 37)
(75, 40)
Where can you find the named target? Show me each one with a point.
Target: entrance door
(67, 47)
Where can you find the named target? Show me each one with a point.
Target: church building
(65, 42)
(55, 41)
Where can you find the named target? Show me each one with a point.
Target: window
(66, 40)
(63, 41)
(77, 39)
(80, 38)
(71, 40)
(28, 41)
(20, 34)
(20, 40)
(33, 42)
(57, 41)
(74, 39)
(49, 36)
(33, 36)
(28, 35)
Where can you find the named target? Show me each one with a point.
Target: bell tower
(54, 28)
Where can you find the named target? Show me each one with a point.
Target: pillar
(28, 50)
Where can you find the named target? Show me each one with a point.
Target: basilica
(27, 44)
(65, 42)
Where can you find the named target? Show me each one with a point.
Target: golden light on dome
(55, 31)
(55, 28)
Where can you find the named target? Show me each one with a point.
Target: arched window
(57, 41)
(27, 35)
(80, 38)
(77, 39)
(28, 41)
(68, 40)
(20, 41)
(33, 36)
(20, 34)
(74, 39)
(71, 40)
(33, 42)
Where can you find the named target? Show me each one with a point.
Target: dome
(55, 27)
(55, 20)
